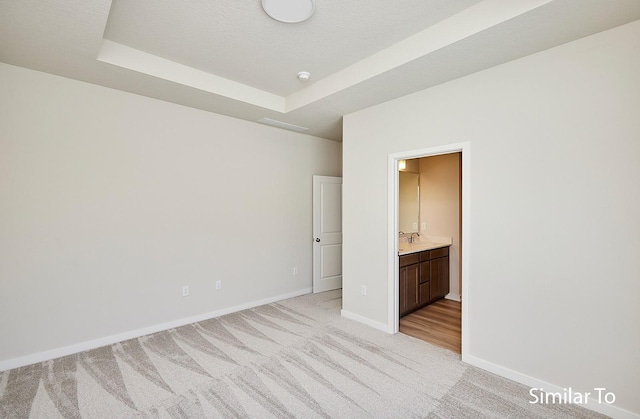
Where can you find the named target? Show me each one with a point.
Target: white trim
(393, 304)
(592, 404)
(392, 226)
(136, 60)
(466, 246)
(475, 19)
(132, 334)
(454, 297)
(364, 320)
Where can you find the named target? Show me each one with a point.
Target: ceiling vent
(281, 124)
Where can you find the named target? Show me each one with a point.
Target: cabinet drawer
(407, 260)
(425, 255)
(439, 253)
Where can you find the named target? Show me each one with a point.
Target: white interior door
(327, 233)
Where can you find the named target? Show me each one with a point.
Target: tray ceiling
(229, 57)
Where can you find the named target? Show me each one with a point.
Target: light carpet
(297, 358)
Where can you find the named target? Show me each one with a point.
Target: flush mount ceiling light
(289, 11)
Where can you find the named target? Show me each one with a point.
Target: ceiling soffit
(236, 40)
(64, 37)
(477, 18)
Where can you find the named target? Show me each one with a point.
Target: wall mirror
(408, 202)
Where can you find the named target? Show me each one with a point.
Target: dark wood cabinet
(424, 278)
(439, 270)
(409, 280)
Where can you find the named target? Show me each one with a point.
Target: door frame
(393, 263)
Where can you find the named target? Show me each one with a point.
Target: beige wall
(111, 202)
(554, 288)
(412, 166)
(440, 208)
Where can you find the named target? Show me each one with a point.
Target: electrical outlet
(185, 291)
(424, 226)
(218, 284)
(295, 270)
(363, 289)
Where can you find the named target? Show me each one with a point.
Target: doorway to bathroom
(443, 218)
(429, 218)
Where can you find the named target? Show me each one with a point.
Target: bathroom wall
(440, 200)
(412, 166)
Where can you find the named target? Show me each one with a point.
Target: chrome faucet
(412, 238)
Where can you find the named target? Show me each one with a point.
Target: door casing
(393, 287)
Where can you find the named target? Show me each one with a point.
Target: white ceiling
(229, 57)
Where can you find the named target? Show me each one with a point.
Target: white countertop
(408, 248)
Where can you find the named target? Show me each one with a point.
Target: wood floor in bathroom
(439, 323)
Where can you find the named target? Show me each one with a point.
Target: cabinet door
(408, 288)
(425, 293)
(425, 273)
(413, 280)
(402, 291)
(439, 280)
(444, 278)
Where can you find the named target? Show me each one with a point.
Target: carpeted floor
(292, 359)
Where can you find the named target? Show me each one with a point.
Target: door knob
(317, 240)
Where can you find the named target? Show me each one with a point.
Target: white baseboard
(592, 404)
(361, 319)
(132, 334)
(454, 297)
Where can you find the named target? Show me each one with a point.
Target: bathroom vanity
(424, 275)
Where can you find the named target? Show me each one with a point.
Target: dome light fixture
(289, 11)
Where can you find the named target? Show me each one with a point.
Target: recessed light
(289, 11)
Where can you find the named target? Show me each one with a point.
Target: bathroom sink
(417, 247)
